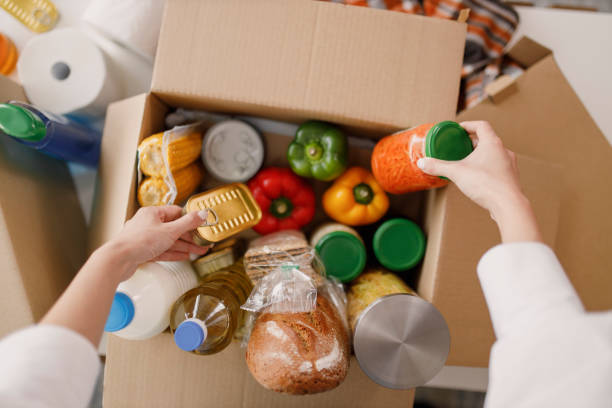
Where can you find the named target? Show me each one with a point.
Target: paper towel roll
(64, 71)
(133, 23)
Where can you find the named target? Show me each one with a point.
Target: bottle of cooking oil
(205, 319)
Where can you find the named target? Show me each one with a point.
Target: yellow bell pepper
(355, 198)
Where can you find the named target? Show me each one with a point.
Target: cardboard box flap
(546, 120)
(448, 278)
(10, 90)
(294, 59)
(116, 182)
(42, 229)
(224, 380)
(527, 52)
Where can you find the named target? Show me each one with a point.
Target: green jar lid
(20, 123)
(343, 255)
(399, 244)
(448, 141)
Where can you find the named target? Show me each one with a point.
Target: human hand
(157, 234)
(489, 177)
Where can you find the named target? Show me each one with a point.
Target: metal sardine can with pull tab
(231, 210)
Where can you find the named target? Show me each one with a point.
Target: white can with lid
(233, 151)
(141, 307)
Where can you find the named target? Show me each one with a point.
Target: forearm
(85, 304)
(516, 219)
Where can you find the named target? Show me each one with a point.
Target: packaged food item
(232, 208)
(205, 320)
(393, 327)
(288, 247)
(8, 55)
(220, 257)
(341, 250)
(394, 157)
(166, 152)
(299, 343)
(171, 189)
(52, 134)
(399, 244)
(233, 151)
(38, 15)
(355, 198)
(141, 307)
(319, 150)
(286, 200)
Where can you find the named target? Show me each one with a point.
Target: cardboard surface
(295, 60)
(169, 377)
(42, 228)
(459, 232)
(546, 120)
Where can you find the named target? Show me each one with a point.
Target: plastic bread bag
(299, 342)
(287, 247)
(169, 169)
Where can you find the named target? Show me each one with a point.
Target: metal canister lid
(233, 151)
(401, 341)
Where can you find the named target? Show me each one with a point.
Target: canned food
(341, 250)
(232, 209)
(393, 327)
(223, 255)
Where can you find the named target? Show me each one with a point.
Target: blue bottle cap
(190, 334)
(121, 313)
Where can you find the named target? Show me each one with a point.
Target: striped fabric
(490, 27)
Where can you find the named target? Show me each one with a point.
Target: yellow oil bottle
(205, 319)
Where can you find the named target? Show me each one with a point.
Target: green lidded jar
(341, 250)
(399, 244)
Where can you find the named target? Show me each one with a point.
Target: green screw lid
(343, 255)
(448, 141)
(399, 244)
(20, 123)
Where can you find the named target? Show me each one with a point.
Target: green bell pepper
(319, 150)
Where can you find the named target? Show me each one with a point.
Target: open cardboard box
(42, 228)
(371, 71)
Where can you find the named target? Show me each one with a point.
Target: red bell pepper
(286, 201)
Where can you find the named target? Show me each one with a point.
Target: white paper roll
(64, 71)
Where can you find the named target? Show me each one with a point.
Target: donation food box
(42, 228)
(371, 71)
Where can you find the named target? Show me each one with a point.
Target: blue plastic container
(55, 135)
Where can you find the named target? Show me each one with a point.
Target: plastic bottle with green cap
(52, 134)
(341, 250)
(394, 159)
(399, 244)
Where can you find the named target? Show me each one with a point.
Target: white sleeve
(549, 351)
(47, 366)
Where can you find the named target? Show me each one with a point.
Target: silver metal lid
(232, 151)
(401, 341)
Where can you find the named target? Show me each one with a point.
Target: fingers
(168, 213)
(482, 129)
(172, 256)
(187, 222)
(182, 246)
(437, 167)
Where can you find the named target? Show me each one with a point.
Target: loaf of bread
(299, 353)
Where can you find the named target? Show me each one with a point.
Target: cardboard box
(42, 228)
(544, 119)
(371, 70)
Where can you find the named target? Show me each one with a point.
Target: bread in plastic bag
(299, 342)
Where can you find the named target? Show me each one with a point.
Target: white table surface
(582, 48)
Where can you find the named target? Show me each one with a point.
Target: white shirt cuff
(523, 282)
